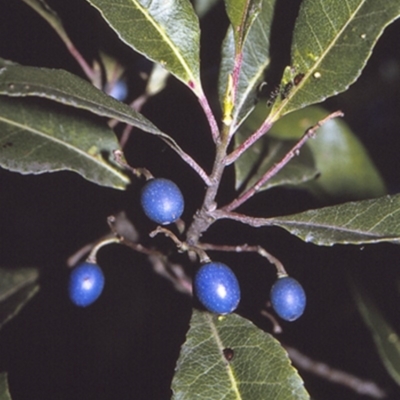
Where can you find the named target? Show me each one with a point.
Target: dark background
(127, 343)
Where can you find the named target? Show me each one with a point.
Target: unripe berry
(217, 288)
(86, 283)
(288, 298)
(162, 201)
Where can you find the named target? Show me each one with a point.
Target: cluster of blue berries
(215, 284)
(218, 290)
(162, 202)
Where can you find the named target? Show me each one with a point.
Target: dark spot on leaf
(7, 144)
(297, 79)
(228, 353)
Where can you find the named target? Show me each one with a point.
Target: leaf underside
(368, 221)
(230, 358)
(66, 88)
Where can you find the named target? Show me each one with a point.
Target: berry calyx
(288, 298)
(217, 288)
(86, 283)
(162, 201)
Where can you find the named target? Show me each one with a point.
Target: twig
(358, 385)
(246, 248)
(276, 328)
(210, 117)
(261, 131)
(277, 167)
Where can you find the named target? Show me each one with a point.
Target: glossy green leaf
(66, 88)
(332, 41)
(385, 337)
(230, 358)
(265, 153)
(255, 58)
(4, 392)
(242, 14)
(367, 221)
(165, 31)
(17, 287)
(38, 136)
(346, 170)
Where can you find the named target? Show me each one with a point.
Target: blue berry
(288, 298)
(86, 283)
(119, 90)
(217, 288)
(162, 201)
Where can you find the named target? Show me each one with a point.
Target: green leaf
(46, 12)
(346, 170)
(254, 365)
(38, 136)
(368, 221)
(242, 14)
(17, 287)
(255, 58)
(68, 89)
(166, 32)
(332, 41)
(265, 153)
(385, 337)
(4, 392)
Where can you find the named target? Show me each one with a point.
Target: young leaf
(66, 88)
(368, 221)
(166, 32)
(332, 42)
(242, 14)
(255, 58)
(346, 170)
(4, 392)
(41, 136)
(17, 287)
(385, 337)
(214, 364)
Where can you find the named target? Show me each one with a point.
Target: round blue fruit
(217, 288)
(119, 90)
(86, 283)
(288, 298)
(162, 201)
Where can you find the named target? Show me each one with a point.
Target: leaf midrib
(65, 144)
(166, 38)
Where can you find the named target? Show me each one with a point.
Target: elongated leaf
(385, 337)
(242, 14)
(17, 286)
(4, 392)
(332, 42)
(255, 58)
(255, 162)
(66, 88)
(44, 10)
(358, 222)
(230, 358)
(38, 136)
(165, 31)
